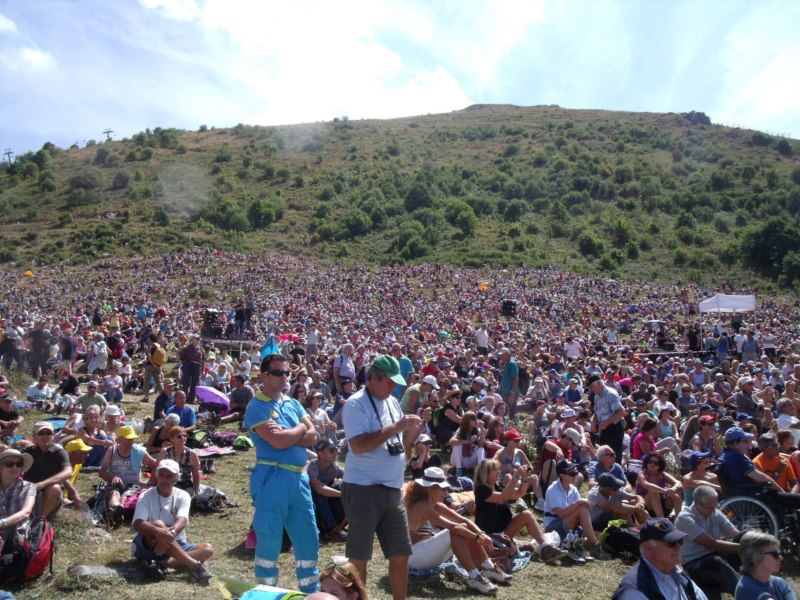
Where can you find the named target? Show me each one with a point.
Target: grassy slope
(484, 152)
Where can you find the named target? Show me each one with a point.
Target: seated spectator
(40, 393)
(121, 469)
(608, 501)
(761, 558)
(339, 580)
(774, 464)
(556, 450)
(667, 427)
(241, 395)
(187, 459)
(745, 478)
(160, 521)
(92, 434)
(164, 401)
(19, 497)
(10, 419)
(186, 413)
(49, 471)
(606, 462)
(662, 493)
(467, 443)
(644, 442)
(422, 456)
(112, 416)
(159, 435)
(493, 514)
(326, 429)
(706, 439)
(564, 510)
(91, 398)
(511, 458)
(438, 532)
(450, 415)
(709, 556)
(699, 462)
(112, 386)
(325, 477)
(658, 574)
(77, 452)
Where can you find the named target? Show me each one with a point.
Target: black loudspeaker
(509, 308)
(669, 346)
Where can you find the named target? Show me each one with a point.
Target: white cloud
(179, 10)
(26, 60)
(7, 25)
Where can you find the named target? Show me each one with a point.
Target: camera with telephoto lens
(395, 448)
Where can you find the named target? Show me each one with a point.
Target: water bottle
(569, 540)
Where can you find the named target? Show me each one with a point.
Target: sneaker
(151, 569)
(581, 551)
(145, 400)
(200, 573)
(250, 540)
(482, 585)
(549, 553)
(539, 505)
(519, 505)
(497, 575)
(575, 557)
(596, 550)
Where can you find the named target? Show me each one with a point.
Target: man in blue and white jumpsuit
(281, 431)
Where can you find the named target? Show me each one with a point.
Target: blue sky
(70, 69)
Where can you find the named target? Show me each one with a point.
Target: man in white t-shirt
(161, 518)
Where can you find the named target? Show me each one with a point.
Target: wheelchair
(759, 512)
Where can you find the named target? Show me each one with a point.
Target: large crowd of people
(588, 401)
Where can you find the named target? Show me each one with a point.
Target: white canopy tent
(725, 303)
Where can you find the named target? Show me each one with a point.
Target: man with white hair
(160, 521)
(343, 366)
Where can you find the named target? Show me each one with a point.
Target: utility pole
(108, 133)
(8, 154)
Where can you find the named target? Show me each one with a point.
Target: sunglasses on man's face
(45, 433)
(675, 543)
(16, 464)
(279, 373)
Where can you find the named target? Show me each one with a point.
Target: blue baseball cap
(736, 434)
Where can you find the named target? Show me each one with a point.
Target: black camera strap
(378, 416)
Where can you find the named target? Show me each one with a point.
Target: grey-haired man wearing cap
(380, 436)
(160, 520)
(658, 576)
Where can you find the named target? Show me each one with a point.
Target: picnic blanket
(214, 451)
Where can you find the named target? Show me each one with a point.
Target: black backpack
(211, 500)
(621, 541)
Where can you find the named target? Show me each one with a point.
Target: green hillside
(632, 194)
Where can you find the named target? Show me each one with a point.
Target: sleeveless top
(185, 463)
(121, 467)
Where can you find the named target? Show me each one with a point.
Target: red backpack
(37, 552)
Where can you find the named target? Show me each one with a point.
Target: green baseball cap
(390, 366)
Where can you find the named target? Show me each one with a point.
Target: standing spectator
(343, 366)
(40, 349)
(160, 522)
(406, 368)
(610, 414)
(281, 431)
(50, 469)
(67, 347)
(709, 558)
(751, 349)
(761, 558)
(192, 358)
(509, 384)
(155, 357)
(657, 574)
(373, 477)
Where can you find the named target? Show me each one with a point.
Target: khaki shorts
(372, 509)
